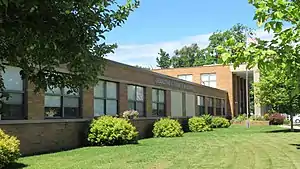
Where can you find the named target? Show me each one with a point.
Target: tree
(281, 53)
(164, 60)
(193, 55)
(59, 43)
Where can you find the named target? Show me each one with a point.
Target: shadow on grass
(283, 131)
(16, 166)
(296, 145)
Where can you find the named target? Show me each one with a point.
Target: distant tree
(142, 67)
(164, 60)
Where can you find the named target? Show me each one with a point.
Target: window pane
(131, 106)
(71, 102)
(161, 109)
(111, 107)
(139, 93)
(161, 96)
(51, 112)
(12, 79)
(140, 108)
(154, 95)
(212, 77)
(131, 92)
(67, 91)
(71, 112)
(181, 77)
(98, 107)
(52, 101)
(189, 78)
(11, 111)
(99, 89)
(14, 98)
(154, 109)
(206, 83)
(204, 78)
(111, 90)
(200, 100)
(213, 84)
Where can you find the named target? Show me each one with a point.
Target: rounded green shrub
(166, 127)
(220, 122)
(108, 130)
(9, 149)
(198, 124)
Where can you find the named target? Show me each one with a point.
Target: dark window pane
(71, 112)
(140, 108)
(202, 110)
(12, 112)
(52, 106)
(71, 102)
(154, 109)
(131, 105)
(154, 95)
(161, 109)
(14, 98)
(211, 111)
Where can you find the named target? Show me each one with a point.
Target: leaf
(225, 57)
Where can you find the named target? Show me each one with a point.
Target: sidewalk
(288, 126)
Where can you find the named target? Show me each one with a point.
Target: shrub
(240, 118)
(267, 116)
(286, 121)
(9, 149)
(108, 130)
(276, 119)
(199, 124)
(228, 117)
(166, 127)
(130, 114)
(207, 118)
(220, 122)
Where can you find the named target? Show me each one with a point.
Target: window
(186, 77)
(218, 107)
(105, 98)
(62, 103)
(201, 105)
(158, 102)
(136, 99)
(209, 80)
(210, 106)
(13, 109)
(223, 106)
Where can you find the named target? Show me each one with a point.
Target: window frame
(209, 79)
(223, 107)
(104, 98)
(135, 101)
(218, 107)
(62, 95)
(24, 95)
(157, 102)
(201, 107)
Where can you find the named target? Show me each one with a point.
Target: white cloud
(145, 54)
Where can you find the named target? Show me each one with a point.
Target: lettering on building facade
(173, 83)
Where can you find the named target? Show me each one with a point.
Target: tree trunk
(292, 122)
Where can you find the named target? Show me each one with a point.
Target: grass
(232, 148)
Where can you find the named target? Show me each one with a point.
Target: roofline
(194, 67)
(163, 75)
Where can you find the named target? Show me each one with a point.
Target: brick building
(56, 120)
(222, 77)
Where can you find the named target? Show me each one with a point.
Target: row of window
(63, 103)
(220, 105)
(207, 79)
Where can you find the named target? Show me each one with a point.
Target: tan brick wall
(35, 104)
(47, 136)
(88, 103)
(122, 98)
(223, 74)
(148, 102)
(168, 103)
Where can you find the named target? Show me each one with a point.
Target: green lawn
(235, 147)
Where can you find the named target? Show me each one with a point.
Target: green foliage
(220, 122)
(286, 121)
(257, 118)
(164, 61)
(40, 36)
(199, 124)
(267, 116)
(9, 149)
(208, 118)
(108, 130)
(240, 118)
(166, 127)
(193, 55)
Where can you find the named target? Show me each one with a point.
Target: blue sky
(171, 24)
